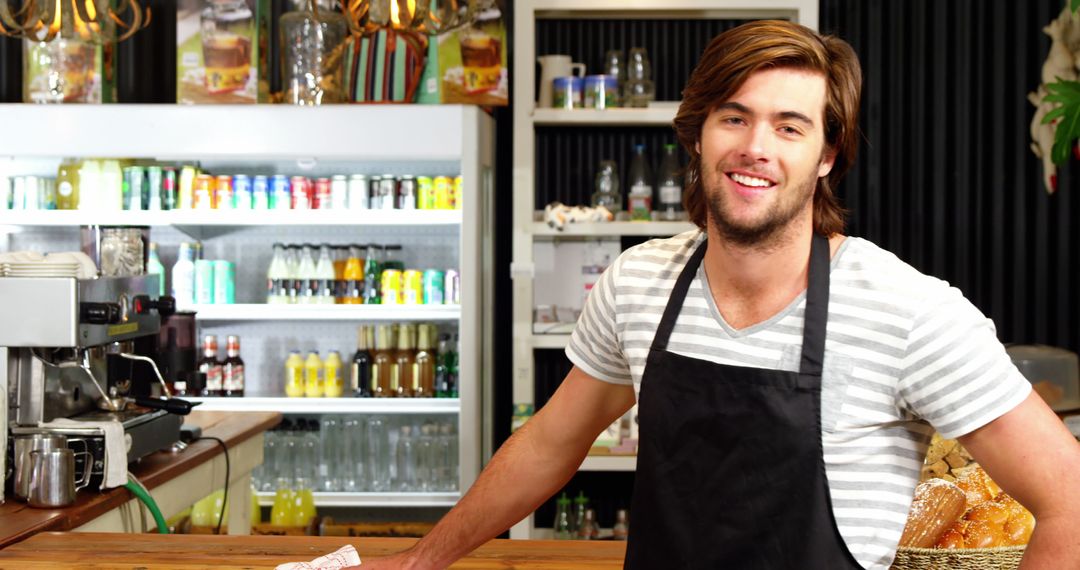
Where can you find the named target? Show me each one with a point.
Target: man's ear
(697, 147)
(828, 159)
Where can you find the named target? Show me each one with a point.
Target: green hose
(147, 500)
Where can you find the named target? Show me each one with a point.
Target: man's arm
(534, 463)
(1031, 454)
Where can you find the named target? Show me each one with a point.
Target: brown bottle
(383, 362)
(424, 367)
(210, 366)
(360, 378)
(404, 358)
(232, 370)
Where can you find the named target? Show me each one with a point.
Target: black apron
(730, 472)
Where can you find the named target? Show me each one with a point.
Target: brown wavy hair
(734, 56)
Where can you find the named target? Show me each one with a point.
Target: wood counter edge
(19, 521)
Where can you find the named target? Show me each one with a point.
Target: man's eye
(789, 130)
(733, 120)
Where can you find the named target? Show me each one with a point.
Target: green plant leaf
(1074, 4)
(1066, 96)
(1053, 114)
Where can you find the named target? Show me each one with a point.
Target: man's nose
(757, 145)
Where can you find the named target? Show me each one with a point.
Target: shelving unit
(609, 463)
(314, 142)
(527, 118)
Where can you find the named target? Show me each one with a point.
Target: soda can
(203, 192)
(457, 192)
(425, 193)
(168, 189)
(374, 199)
(387, 192)
(452, 288)
(242, 192)
(204, 281)
(134, 176)
(434, 285)
(323, 194)
(280, 193)
(407, 193)
(391, 287)
(224, 282)
(154, 192)
(412, 285)
(339, 192)
(223, 192)
(358, 192)
(5, 193)
(260, 193)
(303, 193)
(444, 189)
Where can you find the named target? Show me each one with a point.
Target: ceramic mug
(552, 66)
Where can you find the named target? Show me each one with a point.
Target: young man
(788, 377)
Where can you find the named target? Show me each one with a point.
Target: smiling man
(788, 377)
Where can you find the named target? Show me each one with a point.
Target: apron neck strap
(816, 312)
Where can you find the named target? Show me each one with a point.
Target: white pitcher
(552, 66)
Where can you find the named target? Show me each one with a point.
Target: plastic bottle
(313, 375)
(111, 187)
(640, 181)
(294, 375)
(307, 274)
(334, 386)
(89, 189)
(276, 277)
(669, 186)
(183, 277)
(67, 185)
(154, 267)
(324, 277)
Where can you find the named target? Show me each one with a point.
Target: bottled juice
(334, 386)
(341, 257)
(313, 375)
(325, 277)
(277, 276)
(307, 275)
(404, 359)
(281, 513)
(303, 504)
(67, 185)
(424, 366)
(353, 275)
(383, 361)
(294, 375)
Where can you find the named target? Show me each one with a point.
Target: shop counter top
(160, 472)
(92, 551)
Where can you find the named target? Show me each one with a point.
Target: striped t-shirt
(905, 354)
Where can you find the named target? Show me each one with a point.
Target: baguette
(937, 505)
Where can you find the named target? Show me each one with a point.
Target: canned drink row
(416, 287)
(27, 193)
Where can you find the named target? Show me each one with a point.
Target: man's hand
(1031, 454)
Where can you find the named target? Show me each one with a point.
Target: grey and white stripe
(905, 354)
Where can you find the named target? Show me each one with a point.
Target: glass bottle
(607, 187)
(63, 70)
(183, 277)
(353, 275)
(406, 461)
(562, 518)
(294, 284)
(294, 375)
(669, 186)
(89, 187)
(621, 530)
(589, 529)
(341, 257)
(373, 267)
(232, 370)
(360, 370)
(383, 361)
(313, 375)
(154, 267)
(442, 368)
(639, 89)
(308, 274)
(640, 181)
(424, 366)
(581, 504)
(67, 184)
(211, 367)
(452, 371)
(334, 387)
(313, 40)
(111, 192)
(303, 507)
(324, 277)
(277, 276)
(404, 359)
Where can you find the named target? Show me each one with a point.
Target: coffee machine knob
(99, 313)
(165, 305)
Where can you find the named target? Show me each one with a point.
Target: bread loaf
(937, 505)
(1021, 522)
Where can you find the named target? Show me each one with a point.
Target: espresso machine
(76, 359)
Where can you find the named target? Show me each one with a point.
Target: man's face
(762, 152)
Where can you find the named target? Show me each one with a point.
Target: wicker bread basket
(1001, 558)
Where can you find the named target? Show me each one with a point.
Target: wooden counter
(18, 521)
(91, 551)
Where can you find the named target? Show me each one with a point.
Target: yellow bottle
(256, 512)
(67, 184)
(313, 375)
(334, 385)
(294, 375)
(281, 514)
(303, 504)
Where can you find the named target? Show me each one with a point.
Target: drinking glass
(377, 462)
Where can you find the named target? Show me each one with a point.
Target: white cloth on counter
(115, 448)
(341, 558)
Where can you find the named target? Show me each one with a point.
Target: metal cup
(52, 478)
(24, 445)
